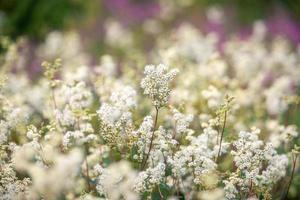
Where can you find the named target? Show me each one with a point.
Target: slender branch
(222, 133)
(87, 174)
(250, 188)
(160, 193)
(144, 162)
(87, 169)
(218, 136)
(55, 106)
(292, 176)
(53, 98)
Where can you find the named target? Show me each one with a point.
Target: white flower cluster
(116, 116)
(77, 96)
(276, 168)
(73, 118)
(213, 96)
(281, 134)
(250, 158)
(196, 158)
(84, 135)
(182, 121)
(10, 186)
(11, 117)
(143, 135)
(43, 177)
(231, 191)
(65, 117)
(4, 132)
(156, 83)
(149, 179)
(124, 99)
(115, 181)
(247, 155)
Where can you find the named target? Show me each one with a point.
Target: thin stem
(287, 115)
(160, 194)
(87, 174)
(292, 176)
(87, 169)
(250, 188)
(217, 136)
(53, 98)
(55, 105)
(78, 123)
(144, 162)
(178, 188)
(222, 133)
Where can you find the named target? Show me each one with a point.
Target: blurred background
(35, 19)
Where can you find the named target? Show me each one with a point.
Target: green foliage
(36, 18)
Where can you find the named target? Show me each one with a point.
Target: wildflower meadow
(155, 105)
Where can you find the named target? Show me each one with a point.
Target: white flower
(150, 178)
(4, 131)
(275, 102)
(76, 135)
(247, 155)
(122, 101)
(86, 128)
(32, 133)
(109, 114)
(116, 181)
(156, 83)
(60, 175)
(280, 133)
(76, 95)
(124, 98)
(143, 134)
(196, 158)
(66, 117)
(249, 158)
(108, 66)
(213, 96)
(116, 34)
(181, 121)
(276, 168)
(146, 125)
(230, 190)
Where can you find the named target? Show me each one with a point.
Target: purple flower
(282, 24)
(129, 11)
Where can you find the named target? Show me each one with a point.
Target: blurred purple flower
(218, 28)
(245, 32)
(282, 24)
(129, 11)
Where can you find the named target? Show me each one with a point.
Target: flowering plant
(201, 125)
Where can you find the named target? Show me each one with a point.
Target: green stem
(292, 176)
(87, 169)
(222, 133)
(144, 162)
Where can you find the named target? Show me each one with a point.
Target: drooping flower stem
(145, 159)
(222, 134)
(292, 176)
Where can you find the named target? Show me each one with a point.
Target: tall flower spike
(156, 83)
